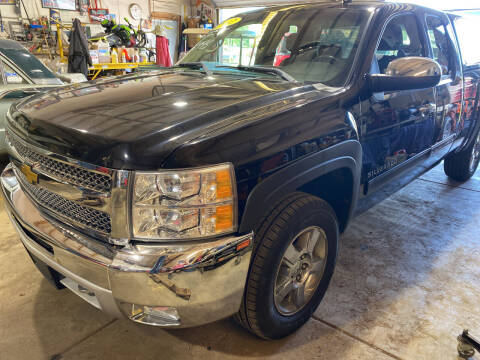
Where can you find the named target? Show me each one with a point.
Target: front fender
(266, 194)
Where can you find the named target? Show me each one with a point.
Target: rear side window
(11, 76)
(440, 44)
(401, 38)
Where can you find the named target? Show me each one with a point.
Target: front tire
(461, 166)
(295, 255)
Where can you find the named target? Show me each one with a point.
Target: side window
(441, 47)
(400, 38)
(11, 76)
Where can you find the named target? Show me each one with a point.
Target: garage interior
(405, 285)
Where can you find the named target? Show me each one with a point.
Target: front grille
(92, 219)
(62, 171)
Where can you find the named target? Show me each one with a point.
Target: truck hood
(136, 121)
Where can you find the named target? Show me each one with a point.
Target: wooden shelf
(97, 68)
(118, 66)
(196, 31)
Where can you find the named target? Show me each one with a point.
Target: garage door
(438, 4)
(247, 3)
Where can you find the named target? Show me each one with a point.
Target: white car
(22, 75)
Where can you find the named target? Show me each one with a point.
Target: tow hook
(467, 345)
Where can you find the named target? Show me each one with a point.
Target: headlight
(184, 204)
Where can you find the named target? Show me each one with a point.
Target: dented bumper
(179, 284)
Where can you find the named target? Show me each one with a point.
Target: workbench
(98, 68)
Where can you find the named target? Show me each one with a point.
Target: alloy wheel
(475, 154)
(301, 270)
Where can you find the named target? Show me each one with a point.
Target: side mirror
(408, 73)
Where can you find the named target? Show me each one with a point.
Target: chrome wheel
(475, 154)
(300, 270)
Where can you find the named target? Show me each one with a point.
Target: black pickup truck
(219, 187)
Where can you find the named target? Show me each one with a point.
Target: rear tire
(461, 166)
(295, 253)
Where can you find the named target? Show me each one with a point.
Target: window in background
(467, 30)
(445, 4)
(225, 14)
(239, 47)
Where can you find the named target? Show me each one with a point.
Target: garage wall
(117, 7)
(169, 6)
(120, 8)
(34, 10)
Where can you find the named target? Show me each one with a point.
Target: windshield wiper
(197, 65)
(264, 70)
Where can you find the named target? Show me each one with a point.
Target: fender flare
(273, 189)
(476, 125)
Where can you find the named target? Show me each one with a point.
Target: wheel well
(336, 188)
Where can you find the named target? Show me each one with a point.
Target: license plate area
(61, 282)
(86, 294)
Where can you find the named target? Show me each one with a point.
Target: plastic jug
(143, 56)
(122, 55)
(103, 52)
(114, 56)
(94, 56)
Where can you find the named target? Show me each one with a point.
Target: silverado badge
(31, 177)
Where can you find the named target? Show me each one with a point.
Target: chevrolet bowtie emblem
(32, 178)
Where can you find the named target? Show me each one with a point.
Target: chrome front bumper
(200, 282)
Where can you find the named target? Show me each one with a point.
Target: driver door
(397, 126)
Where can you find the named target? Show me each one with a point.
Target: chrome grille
(93, 219)
(62, 171)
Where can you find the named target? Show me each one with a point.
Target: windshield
(31, 66)
(310, 44)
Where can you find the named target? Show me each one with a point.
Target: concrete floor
(405, 286)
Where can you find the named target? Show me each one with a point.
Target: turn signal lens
(224, 185)
(184, 204)
(224, 217)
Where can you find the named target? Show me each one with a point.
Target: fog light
(153, 315)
